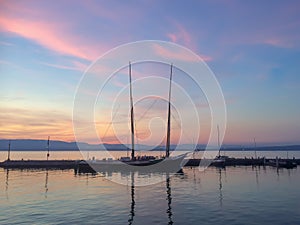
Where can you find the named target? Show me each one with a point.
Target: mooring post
(8, 154)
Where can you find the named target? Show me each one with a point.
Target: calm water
(237, 195)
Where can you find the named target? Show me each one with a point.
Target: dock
(80, 166)
(39, 164)
(277, 162)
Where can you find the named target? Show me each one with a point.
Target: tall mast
(131, 115)
(169, 116)
(254, 147)
(8, 153)
(48, 143)
(219, 141)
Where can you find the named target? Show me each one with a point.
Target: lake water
(235, 195)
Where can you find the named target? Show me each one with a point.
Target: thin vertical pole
(48, 143)
(127, 146)
(131, 115)
(255, 149)
(8, 153)
(169, 116)
(219, 141)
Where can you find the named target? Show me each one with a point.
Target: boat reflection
(6, 183)
(132, 205)
(132, 213)
(169, 199)
(46, 183)
(257, 170)
(220, 186)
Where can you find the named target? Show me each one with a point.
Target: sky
(252, 47)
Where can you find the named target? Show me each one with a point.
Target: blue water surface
(235, 195)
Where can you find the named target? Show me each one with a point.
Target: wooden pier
(281, 163)
(39, 164)
(80, 166)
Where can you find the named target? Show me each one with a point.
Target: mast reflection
(6, 183)
(220, 187)
(169, 199)
(132, 207)
(256, 175)
(46, 183)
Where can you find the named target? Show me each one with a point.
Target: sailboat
(219, 160)
(147, 163)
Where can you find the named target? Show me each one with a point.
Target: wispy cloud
(78, 66)
(55, 35)
(177, 55)
(28, 123)
(277, 42)
(46, 34)
(181, 35)
(279, 27)
(6, 43)
(5, 62)
(116, 12)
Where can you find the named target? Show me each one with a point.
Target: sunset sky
(253, 48)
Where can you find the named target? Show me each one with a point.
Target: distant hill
(269, 148)
(41, 145)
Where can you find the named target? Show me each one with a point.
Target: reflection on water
(6, 183)
(220, 186)
(256, 174)
(169, 199)
(228, 196)
(46, 183)
(132, 205)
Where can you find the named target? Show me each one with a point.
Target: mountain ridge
(57, 145)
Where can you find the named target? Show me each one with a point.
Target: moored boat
(219, 161)
(147, 163)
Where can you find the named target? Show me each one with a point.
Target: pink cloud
(270, 37)
(181, 35)
(173, 37)
(56, 35)
(278, 42)
(48, 35)
(179, 55)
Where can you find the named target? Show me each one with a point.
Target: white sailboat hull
(170, 164)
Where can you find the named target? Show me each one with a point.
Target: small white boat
(219, 161)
